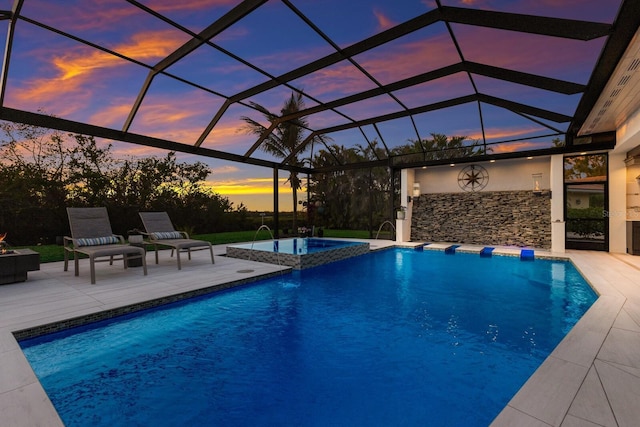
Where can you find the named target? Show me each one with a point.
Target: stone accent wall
(517, 218)
(300, 261)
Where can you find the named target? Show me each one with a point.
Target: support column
(556, 181)
(276, 210)
(617, 203)
(403, 226)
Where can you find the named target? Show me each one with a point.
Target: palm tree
(285, 138)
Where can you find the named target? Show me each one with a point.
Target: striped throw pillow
(97, 241)
(161, 235)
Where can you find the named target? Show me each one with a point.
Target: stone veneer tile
(517, 218)
(301, 261)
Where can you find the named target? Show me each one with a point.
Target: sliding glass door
(586, 202)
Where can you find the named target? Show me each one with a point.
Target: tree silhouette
(285, 139)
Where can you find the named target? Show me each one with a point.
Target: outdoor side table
(15, 263)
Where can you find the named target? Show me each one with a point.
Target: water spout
(262, 227)
(273, 239)
(382, 225)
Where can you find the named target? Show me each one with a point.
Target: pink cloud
(553, 57)
(336, 81)
(72, 75)
(91, 16)
(384, 22)
(112, 116)
(104, 15)
(172, 5)
(122, 149)
(511, 147)
(503, 133)
(179, 119)
(399, 60)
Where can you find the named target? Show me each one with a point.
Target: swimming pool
(396, 337)
(299, 245)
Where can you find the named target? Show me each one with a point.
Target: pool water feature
(396, 337)
(298, 253)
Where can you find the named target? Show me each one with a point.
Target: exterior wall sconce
(537, 177)
(416, 191)
(537, 186)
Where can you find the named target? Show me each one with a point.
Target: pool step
(451, 250)
(527, 255)
(486, 252)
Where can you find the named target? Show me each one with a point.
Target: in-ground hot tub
(299, 253)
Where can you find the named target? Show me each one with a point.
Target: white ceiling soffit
(621, 97)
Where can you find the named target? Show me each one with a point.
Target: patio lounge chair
(91, 235)
(160, 232)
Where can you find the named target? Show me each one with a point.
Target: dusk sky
(61, 76)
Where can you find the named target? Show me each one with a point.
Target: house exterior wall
(623, 191)
(633, 192)
(617, 203)
(504, 175)
(505, 212)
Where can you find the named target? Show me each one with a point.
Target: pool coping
(576, 382)
(73, 322)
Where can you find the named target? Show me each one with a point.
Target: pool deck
(591, 379)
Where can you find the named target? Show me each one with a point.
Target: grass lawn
(52, 253)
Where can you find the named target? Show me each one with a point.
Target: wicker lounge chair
(91, 235)
(160, 232)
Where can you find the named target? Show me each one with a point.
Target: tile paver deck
(591, 378)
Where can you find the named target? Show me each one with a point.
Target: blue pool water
(300, 246)
(394, 338)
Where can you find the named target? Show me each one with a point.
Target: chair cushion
(97, 241)
(160, 235)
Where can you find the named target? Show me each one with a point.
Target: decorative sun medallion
(473, 178)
